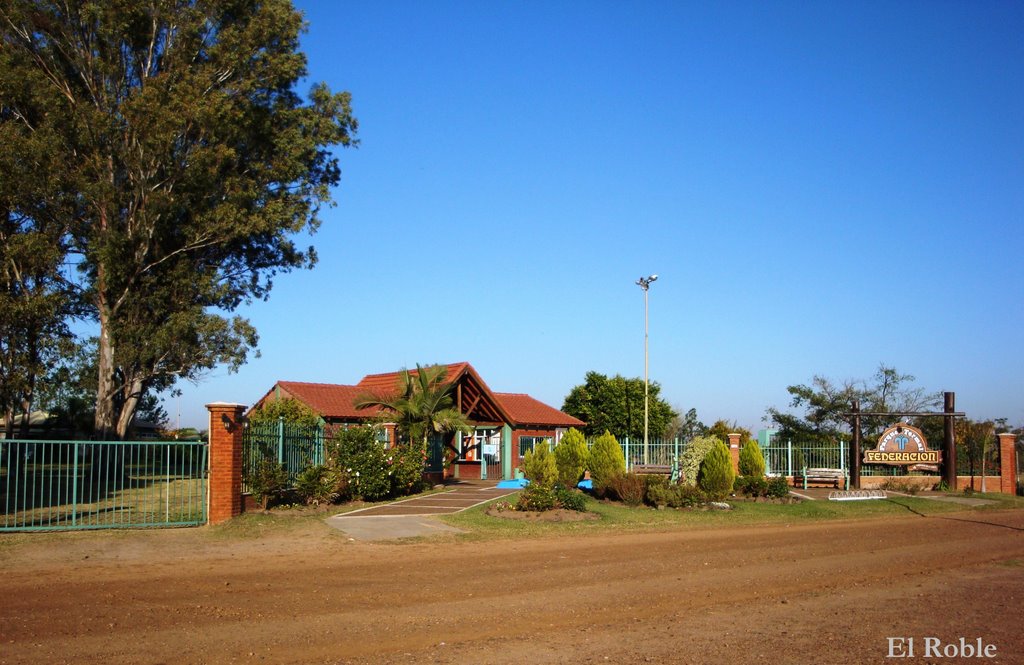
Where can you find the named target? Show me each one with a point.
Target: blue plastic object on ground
(518, 483)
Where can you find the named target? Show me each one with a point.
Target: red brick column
(734, 452)
(226, 430)
(1007, 464)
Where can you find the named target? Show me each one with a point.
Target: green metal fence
(64, 485)
(782, 458)
(294, 447)
(664, 452)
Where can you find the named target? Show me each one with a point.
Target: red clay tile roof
(333, 401)
(328, 399)
(525, 410)
(384, 384)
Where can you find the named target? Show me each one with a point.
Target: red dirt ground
(809, 593)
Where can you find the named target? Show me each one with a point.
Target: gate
(66, 485)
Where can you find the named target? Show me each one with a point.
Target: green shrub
(751, 460)
(656, 489)
(374, 471)
(268, 480)
(778, 487)
(716, 475)
(901, 485)
(321, 484)
(291, 411)
(368, 474)
(347, 443)
(630, 488)
(571, 457)
(406, 470)
(685, 496)
(539, 466)
(537, 498)
(657, 493)
(663, 493)
(571, 499)
(606, 460)
(693, 455)
(751, 486)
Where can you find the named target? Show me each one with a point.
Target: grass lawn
(619, 517)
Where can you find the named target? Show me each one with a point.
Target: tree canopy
(616, 405)
(186, 165)
(824, 404)
(292, 411)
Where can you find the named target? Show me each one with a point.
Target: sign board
(902, 444)
(490, 449)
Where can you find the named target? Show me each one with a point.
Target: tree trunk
(29, 396)
(133, 393)
(105, 386)
(9, 423)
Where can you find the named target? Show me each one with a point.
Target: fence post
(734, 452)
(280, 440)
(74, 487)
(1007, 464)
(789, 458)
(629, 465)
(842, 456)
(226, 429)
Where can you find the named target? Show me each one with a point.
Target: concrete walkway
(415, 517)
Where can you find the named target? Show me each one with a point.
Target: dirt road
(814, 593)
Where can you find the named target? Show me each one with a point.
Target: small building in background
(504, 425)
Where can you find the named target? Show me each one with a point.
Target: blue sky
(822, 187)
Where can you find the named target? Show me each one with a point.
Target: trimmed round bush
(571, 499)
(537, 498)
(778, 487)
(716, 476)
(751, 460)
(571, 457)
(606, 459)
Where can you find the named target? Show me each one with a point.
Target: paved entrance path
(415, 517)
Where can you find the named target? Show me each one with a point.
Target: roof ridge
(407, 369)
(317, 383)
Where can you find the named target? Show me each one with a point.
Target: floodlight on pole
(645, 283)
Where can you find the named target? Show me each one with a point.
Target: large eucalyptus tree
(194, 164)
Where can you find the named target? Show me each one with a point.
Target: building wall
(517, 460)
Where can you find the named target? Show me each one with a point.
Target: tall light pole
(645, 283)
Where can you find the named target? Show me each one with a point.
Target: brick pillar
(1007, 464)
(226, 430)
(734, 452)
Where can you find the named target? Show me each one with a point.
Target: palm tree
(421, 405)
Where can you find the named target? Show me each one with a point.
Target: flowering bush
(374, 471)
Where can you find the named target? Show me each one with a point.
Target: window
(482, 442)
(526, 443)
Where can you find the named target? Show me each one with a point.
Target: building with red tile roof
(505, 425)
